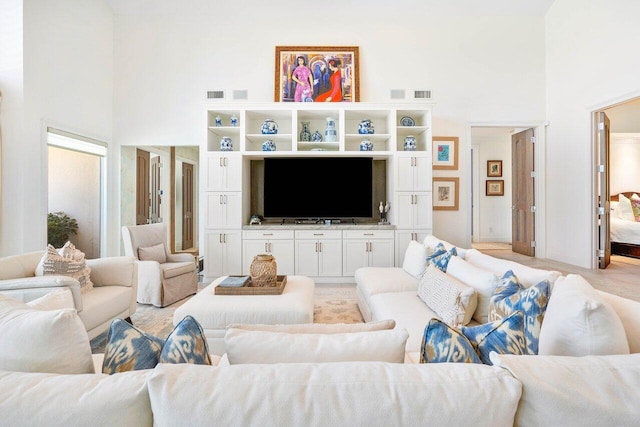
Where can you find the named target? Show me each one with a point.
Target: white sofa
(113, 295)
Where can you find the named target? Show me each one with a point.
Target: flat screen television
(318, 188)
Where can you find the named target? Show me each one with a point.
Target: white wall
(63, 78)
(624, 158)
(479, 69)
(590, 47)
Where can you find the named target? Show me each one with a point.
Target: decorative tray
(247, 289)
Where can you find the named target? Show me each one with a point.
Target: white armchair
(113, 294)
(163, 277)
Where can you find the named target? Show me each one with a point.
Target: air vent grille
(240, 94)
(215, 94)
(422, 94)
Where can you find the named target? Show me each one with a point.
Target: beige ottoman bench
(216, 312)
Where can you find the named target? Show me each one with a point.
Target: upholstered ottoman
(216, 312)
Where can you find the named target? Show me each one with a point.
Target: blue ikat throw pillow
(129, 349)
(442, 343)
(440, 256)
(510, 295)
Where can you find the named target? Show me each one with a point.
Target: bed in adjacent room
(624, 229)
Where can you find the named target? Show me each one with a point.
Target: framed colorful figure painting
(317, 74)
(445, 152)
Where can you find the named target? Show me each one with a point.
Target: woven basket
(263, 270)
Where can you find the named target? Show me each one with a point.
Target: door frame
(540, 129)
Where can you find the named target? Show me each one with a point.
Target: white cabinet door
(306, 257)
(330, 258)
(224, 172)
(381, 253)
(423, 210)
(223, 253)
(413, 210)
(413, 172)
(282, 250)
(403, 237)
(422, 172)
(404, 210)
(354, 255)
(223, 210)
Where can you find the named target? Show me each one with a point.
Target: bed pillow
(624, 208)
(483, 281)
(579, 322)
(415, 259)
(453, 301)
(32, 340)
(153, 253)
(635, 207)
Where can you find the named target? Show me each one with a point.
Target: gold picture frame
(445, 193)
(445, 152)
(495, 187)
(322, 63)
(494, 168)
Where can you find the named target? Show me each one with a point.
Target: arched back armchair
(163, 277)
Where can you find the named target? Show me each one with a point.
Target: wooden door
(187, 205)
(142, 186)
(522, 197)
(155, 214)
(604, 238)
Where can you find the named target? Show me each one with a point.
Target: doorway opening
(616, 139)
(507, 188)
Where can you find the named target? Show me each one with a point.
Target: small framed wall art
(494, 168)
(317, 74)
(495, 187)
(445, 194)
(445, 152)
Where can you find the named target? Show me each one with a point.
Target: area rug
(332, 304)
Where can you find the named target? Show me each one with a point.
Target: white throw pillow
(527, 276)
(624, 208)
(483, 281)
(320, 328)
(453, 301)
(66, 261)
(54, 300)
(153, 253)
(578, 322)
(415, 259)
(34, 340)
(279, 347)
(432, 241)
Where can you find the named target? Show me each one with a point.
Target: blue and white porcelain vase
(317, 136)
(269, 127)
(234, 120)
(366, 127)
(409, 143)
(330, 133)
(305, 135)
(366, 145)
(218, 120)
(268, 145)
(226, 144)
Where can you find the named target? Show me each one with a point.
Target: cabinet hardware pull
(220, 238)
(225, 237)
(220, 161)
(226, 161)
(267, 234)
(368, 234)
(220, 196)
(320, 246)
(318, 234)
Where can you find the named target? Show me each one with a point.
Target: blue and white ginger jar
(268, 145)
(409, 143)
(269, 127)
(226, 144)
(330, 133)
(366, 127)
(316, 137)
(366, 145)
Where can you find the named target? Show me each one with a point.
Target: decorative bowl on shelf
(366, 145)
(407, 121)
(409, 143)
(268, 145)
(269, 127)
(366, 127)
(226, 144)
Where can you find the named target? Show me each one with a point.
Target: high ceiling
(434, 7)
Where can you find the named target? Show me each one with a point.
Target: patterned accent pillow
(512, 296)
(635, 207)
(130, 349)
(443, 343)
(440, 256)
(66, 261)
(453, 301)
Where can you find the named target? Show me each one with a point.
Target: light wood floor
(621, 277)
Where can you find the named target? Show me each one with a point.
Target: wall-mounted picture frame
(445, 153)
(317, 74)
(445, 193)
(494, 168)
(495, 187)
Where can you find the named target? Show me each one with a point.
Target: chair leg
(128, 320)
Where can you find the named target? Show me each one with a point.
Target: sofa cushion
(33, 340)
(528, 276)
(511, 296)
(579, 322)
(442, 343)
(333, 394)
(629, 313)
(483, 281)
(320, 328)
(54, 300)
(453, 301)
(104, 302)
(576, 391)
(153, 253)
(245, 346)
(374, 280)
(39, 399)
(415, 259)
(130, 349)
(174, 269)
(66, 261)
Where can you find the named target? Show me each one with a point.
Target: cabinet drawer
(368, 234)
(318, 234)
(267, 234)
